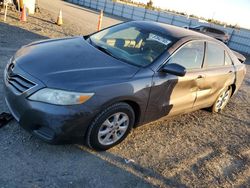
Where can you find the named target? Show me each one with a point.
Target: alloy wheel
(113, 128)
(222, 100)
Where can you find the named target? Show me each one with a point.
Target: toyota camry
(97, 88)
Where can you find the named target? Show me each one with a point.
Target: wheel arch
(134, 103)
(137, 110)
(233, 86)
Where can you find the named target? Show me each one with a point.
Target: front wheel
(222, 100)
(110, 127)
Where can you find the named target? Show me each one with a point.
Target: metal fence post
(231, 36)
(158, 16)
(97, 5)
(190, 23)
(133, 11)
(145, 12)
(122, 10)
(113, 7)
(105, 4)
(172, 20)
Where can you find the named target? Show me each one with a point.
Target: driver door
(172, 94)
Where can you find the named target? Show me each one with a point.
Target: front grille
(18, 83)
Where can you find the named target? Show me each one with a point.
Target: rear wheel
(111, 127)
(222, 100)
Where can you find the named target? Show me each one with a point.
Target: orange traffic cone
(23, 15)
(59, 19)
(99, 27)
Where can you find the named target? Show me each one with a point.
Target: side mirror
(174, 69)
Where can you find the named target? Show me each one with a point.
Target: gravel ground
(199, 149)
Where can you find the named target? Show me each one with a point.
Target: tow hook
(5, 118)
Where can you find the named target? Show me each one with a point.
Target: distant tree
(149, 5)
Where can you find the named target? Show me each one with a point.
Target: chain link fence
(239, 38)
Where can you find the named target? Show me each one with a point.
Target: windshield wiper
(102, 48)
(90, 41)
(105, 50)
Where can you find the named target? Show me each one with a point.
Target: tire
(222, 100)
(110, 127)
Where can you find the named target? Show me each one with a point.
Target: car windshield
(131, 43)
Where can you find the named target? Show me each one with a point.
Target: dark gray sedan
(97, 88)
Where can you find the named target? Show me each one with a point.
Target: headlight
(60, 97)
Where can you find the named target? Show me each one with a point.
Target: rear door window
(214, 55)
(190, 55)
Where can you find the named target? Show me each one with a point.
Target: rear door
(218, 74)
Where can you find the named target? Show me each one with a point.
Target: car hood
(71, 63)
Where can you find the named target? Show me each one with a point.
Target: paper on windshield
(159, 39)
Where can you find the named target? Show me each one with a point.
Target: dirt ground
(198, 149)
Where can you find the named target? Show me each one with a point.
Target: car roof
(173, 31)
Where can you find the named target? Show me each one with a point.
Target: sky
(230, 11)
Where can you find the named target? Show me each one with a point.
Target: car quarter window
(214, 55)
(190, 55)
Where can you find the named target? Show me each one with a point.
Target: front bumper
(48, 122)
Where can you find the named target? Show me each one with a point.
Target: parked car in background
(99, 87)
(212, 32)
